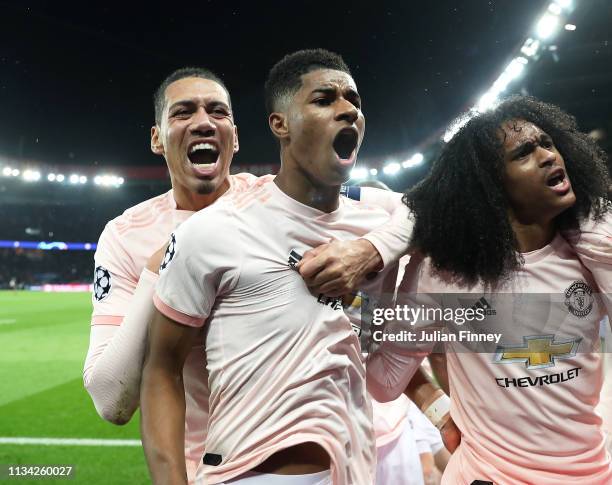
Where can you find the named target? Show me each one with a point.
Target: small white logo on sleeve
(170, 252)
(102, 283)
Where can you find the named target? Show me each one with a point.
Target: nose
(546, 157)
(202, 124)
(347, 111)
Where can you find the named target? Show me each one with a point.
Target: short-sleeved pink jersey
(284, 365)
(124, 248)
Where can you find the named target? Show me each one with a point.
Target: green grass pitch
(43, 342)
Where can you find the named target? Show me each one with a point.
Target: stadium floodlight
(530, 47)
(60, 177)
(97, 180)
(359, 173)
(486, 101)
(120, 180)
(74, 179)
(547, 26)
(82, 179)
(570, 27)
(413, 161)
(417, 158)
(31, 175)
(6, 171)
(566, 4)
(51, 177)
(15, 172)
(373, 172)
(554, 8)
(391, 168)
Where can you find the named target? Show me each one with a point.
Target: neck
(301, 187)
(191, 201)
(532, 235)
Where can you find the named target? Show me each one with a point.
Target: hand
(156, 259)
(339, 267)
(451, 436)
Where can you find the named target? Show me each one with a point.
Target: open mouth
(203, 154)
(558, 181)
(345, 143)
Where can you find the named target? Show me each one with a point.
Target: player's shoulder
(143, 213)
(244, 181)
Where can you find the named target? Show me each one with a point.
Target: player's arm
(122, 310)
(593, 245)
(440, 372)
(339, 267)
(163, 399)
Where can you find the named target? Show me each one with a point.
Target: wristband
(438, 411)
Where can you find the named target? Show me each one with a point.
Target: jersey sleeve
(392, 239)
(198, 267)
(393, 362)
(115, 279)
(113, 366)
(593, 244)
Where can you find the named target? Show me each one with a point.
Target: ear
(157, 146)
(278, 125)
(236, 145)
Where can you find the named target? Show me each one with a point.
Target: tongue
(201, 157)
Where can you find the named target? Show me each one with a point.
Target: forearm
(438, 366)
(392, 239)
(113, 366)
(163, 423)
(421, 390)
(389, 371)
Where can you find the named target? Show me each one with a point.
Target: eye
(220, 112)
(524, 151)
(323, 101)
(547, 143)
(181, 113)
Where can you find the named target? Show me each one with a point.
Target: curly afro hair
(461, 208)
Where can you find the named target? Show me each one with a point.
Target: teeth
(202, 146)
(203, 165)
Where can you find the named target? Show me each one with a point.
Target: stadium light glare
(391, 168)
(566, 4)
(570, 27)
(74, 179)
(359, 173)
(417, 158)
(82, 179)
(51, 177)
(373, 172)
(530, 47)
(97, 180)
(554, 8)
(31, 175)
(6, 171)
(547, 26)
(486, 101)
(120, 180)
(15, 172)
(60, 177)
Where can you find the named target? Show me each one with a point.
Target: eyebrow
(188, 103)
(332, 90)
(516, 150)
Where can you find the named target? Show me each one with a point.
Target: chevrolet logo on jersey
(538, 351)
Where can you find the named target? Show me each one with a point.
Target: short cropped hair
(159, 98)
(284, 79)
